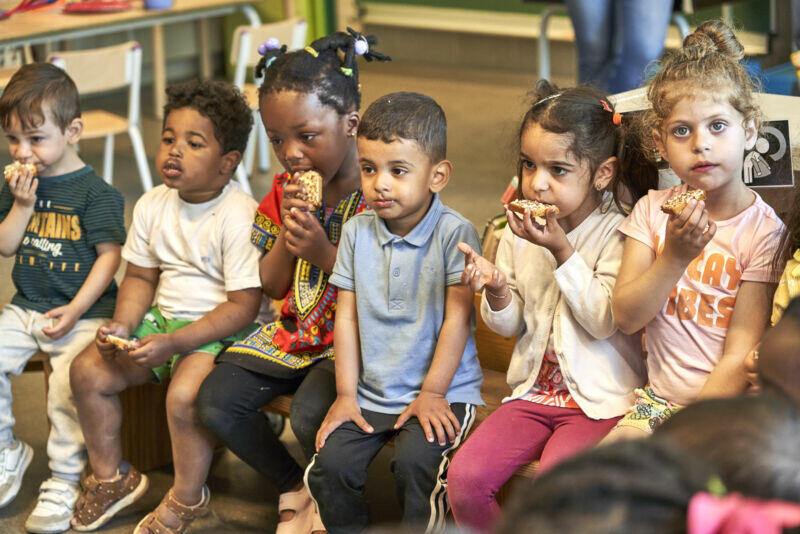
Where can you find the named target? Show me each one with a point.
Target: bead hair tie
(616, 118)
(361, 46)
(312, 51)
(270, 44)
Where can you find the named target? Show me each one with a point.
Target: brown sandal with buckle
(99, 501)
(151, 524)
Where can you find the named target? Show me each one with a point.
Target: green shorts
(155, 323)
(649, 410)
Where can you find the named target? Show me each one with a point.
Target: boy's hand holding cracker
(434, 414)
(107, 338)
(342, 410)
(154, 350)
(23, 184)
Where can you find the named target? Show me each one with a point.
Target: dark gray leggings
(229, 401)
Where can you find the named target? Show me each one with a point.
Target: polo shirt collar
(420, 234)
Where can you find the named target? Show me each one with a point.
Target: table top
(37, 25)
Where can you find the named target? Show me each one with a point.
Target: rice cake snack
(675, 205)
(538, 210)
(312, 184)
(16, 168)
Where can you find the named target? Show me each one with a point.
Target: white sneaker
(54, 508)
(14, 460)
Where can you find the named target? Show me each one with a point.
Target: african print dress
(303, 334)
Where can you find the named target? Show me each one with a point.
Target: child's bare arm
(226, 319)
(348, 357)
(643, 286)
(431, 406)
(644, 282)
(100, 275)
(748, 322)
(12, 229)
(276, 269)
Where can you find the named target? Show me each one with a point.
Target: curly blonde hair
(708, 63)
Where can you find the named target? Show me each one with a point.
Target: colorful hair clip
(346, 71)
(270, 44)
(616, 118)
(312, 51)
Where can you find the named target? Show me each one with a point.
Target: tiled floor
(483, 109)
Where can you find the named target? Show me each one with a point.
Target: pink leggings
(516, 433)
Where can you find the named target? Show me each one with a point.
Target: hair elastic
(270, 44)
(616, 118)
(312, 51)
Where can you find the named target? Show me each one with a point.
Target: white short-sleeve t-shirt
(203, 250)
(686, 339)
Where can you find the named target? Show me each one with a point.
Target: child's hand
(306, 239)
(688, 233)
(434, 414)
(106, 349)
(751, 368)
(480, 272)
(342, 410)
(153, 351)
(23, 186)
(66, 317)
(550, 236)
(291, 194)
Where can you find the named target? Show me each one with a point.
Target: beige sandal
(301, 503)
(151, 524)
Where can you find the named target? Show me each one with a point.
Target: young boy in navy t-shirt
(65, 226)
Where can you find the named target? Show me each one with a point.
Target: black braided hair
(332, 78)
(634, 486)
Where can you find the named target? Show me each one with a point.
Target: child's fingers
(323, 433)
(426, 427)
(708, 235)
(439, 430)
(455, 422)
(402, 418)
(359, 420)
(469, 254)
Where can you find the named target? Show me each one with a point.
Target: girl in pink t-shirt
(701, 282)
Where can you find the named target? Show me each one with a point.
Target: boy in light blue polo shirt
(406, 363)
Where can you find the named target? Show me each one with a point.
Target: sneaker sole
(52, 529)
(115, 508)
(27, 456)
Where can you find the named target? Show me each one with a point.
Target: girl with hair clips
(572, 373)
(309, 102)
(700, 278)
(641, 486)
